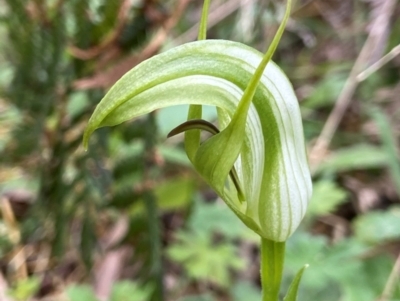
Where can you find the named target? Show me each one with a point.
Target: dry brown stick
(321, 145)
(108, 270)
(379, 64)
(106, 79)
(87, 54)
(17, 263)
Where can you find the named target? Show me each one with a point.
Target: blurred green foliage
(176, 227)
(121, 291)
(25, 289)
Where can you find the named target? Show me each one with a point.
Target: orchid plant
(256, 162)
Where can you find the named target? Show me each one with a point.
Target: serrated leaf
(327, 263)
(378, 227)
(208, 219)
(326, 197)
(204, 261)
(370, 281)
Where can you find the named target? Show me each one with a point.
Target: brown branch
(322, 143)
(87, 54)
(108, 78)
(379, 64)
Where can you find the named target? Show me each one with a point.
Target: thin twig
(321, 145)
(379, 64)
(87, 54)
(106, 79)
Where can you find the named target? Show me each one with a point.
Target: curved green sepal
(214, 161)
(294, 286)
(200, 124)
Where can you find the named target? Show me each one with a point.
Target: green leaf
(326, 197)
(378, 227)
(77, 103)
(245, 290)
(203, 260)
(389, 145)
(128, 290)
(80, 293)
(24, 289)
(361, 156)
(371, 279)
(326, 91)
(323, 259)
(294, 286)
(208, 219)
(174, 194)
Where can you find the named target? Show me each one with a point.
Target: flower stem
(272, 260)
(248, 94)
(192, 138)
(203, 22)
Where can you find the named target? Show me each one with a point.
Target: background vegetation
(130, 219)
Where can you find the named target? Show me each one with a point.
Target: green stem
(150, 172)
(156, 268)
(240, 117)
(253, 84)
(203, 22)
(272, 260)
(192, 138)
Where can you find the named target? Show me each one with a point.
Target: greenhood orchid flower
(265, 144)
(257, 161)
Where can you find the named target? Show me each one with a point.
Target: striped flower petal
(269, 155)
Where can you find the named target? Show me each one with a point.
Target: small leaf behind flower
(294, 286)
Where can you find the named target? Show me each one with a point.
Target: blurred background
(129, 219)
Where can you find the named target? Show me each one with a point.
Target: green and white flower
(261, 136)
